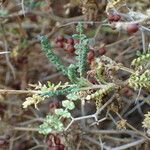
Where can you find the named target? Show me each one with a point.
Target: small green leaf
(76, 36)
(66, 114)
(72, 96)
(58, 126)
(79, 28)
(45, 128)
(63, 113)
(59, 111)
(68, 104)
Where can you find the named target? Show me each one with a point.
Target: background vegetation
(74, 74)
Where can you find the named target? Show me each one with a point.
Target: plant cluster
(80, 87)
(141, 76)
